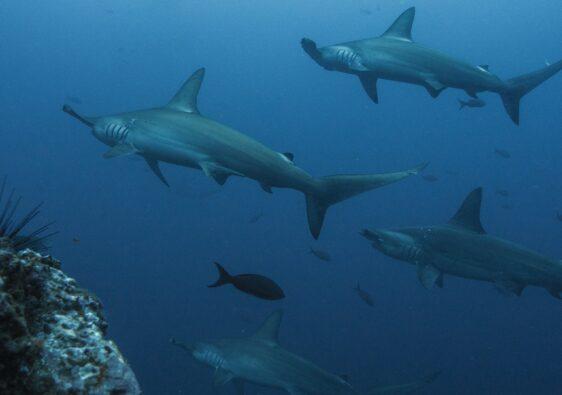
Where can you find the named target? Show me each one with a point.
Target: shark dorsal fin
(269, 331)
(186, 98)
(402, 27)
(468, 215)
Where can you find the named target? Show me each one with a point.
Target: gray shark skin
(259, 359)
(462, 248)
(395, 56)
(178, 134)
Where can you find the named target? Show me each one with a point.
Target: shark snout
(373, 235)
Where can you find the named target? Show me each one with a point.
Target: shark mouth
(11, 229)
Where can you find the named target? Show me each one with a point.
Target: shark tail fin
(224, 277)
(334, 189)
(518, 87)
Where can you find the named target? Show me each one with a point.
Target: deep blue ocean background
(147, 251)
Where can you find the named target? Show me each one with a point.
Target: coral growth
(52, 332)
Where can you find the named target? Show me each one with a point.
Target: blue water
(147, 251)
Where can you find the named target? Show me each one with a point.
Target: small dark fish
(452, 172)
(322, 255)
(506, 206)
(502, 192)
(253, 284)
(502, 152)
(364, 295)
(76, 240)
(256, 218)
(430, 177)
(365, 11)
(473, 103)
(74, 99)
(559, 216)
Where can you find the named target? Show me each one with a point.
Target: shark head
(394, 243)
(334, 57)
(112, 130)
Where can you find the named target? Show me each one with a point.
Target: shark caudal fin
(224, 277)
(518, 87)
(337, 188)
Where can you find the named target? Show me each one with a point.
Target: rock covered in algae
(52, 333)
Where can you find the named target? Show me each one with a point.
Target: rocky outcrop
(52, 333)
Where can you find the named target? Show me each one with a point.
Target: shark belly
(413, 63)
(273, 366)
(488, 258)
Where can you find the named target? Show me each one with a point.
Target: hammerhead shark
(259, 359)
(462, 248)
(395, 56)
(177, 133)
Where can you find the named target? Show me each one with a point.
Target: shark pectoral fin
(222, 377)
(429, 276)
(217, 172)
(120, 150)
(509, 287)
(433, 86)
(266, 187)
(369, 83)
(155, 167)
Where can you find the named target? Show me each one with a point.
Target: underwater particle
(364, 295)
(502, 192)
(252, 284)
(430, 177)
(322, 255)
(255, 218)
(472, 103)
(12, 229)
(502, 153)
